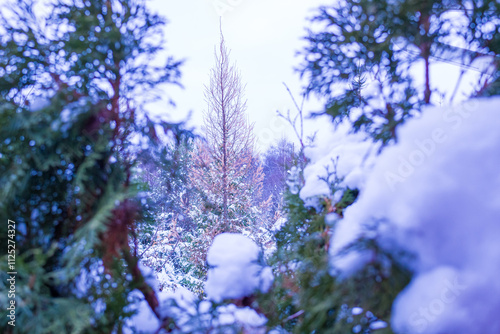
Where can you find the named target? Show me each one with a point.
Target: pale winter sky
(263, 36)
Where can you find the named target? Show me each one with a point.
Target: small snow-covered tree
(159, 243)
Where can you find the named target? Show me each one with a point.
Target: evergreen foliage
(377, 43)
(307, 297)
(89, 203)
(69, 106)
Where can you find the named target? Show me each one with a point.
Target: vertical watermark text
(11, 265)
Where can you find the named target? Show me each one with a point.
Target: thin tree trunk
(426, 53)
(224, 144)
(427, 94)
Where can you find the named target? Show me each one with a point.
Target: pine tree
(69, 105)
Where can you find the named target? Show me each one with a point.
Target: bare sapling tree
(229, 136)
(225, 169)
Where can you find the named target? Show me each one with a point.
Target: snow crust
(236, 268)
(436, 194)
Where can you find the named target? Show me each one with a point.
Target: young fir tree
(225, 169)
(379, 43)
(70, 84)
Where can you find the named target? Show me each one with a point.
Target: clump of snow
(236, 268)
(336, 149)
(194, 316)
(293, 180)
(149, 275)
(178, 304)
(244, 317)
(39, 103)
(429, 304)
(278, 225)
(88, 278)
(436, 194)
(379, 324)
(356, 310)
(144, 319)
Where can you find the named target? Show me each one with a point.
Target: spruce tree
(72, 91)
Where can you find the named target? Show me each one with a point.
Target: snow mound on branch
(436, 194)
(144, 319)
(236, 268)
(246, 317)
(354, 153)
(179, 304)
(189, 313)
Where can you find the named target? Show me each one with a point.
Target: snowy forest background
(385, 220)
